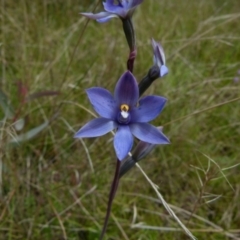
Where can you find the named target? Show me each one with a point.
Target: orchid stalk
(125, 112)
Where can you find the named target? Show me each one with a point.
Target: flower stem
(131, 59)
(129, 33)
(131, 39)
(111, 197)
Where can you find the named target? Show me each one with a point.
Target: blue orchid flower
(124, 113)
(159, 58)
(120, 8)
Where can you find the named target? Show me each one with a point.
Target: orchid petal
(102, 101)
(100, 17)
(126, 90)
(123, 142)
(163, 71)
(106, 19)
(95, 128)
(110, 7)
(143, 148)
(148, 133)
(109, 2)
(125, 3)
(122, 9)
(149, 108)
(159, 55)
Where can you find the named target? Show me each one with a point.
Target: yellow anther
(124, 107)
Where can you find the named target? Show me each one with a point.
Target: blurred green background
(55, 187)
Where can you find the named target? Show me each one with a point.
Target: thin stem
(131, 39)
(129, 33)
(111, 197)
(131, 59)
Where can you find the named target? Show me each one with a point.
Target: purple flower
(120, 8)
(124, 113)
(159, 58)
